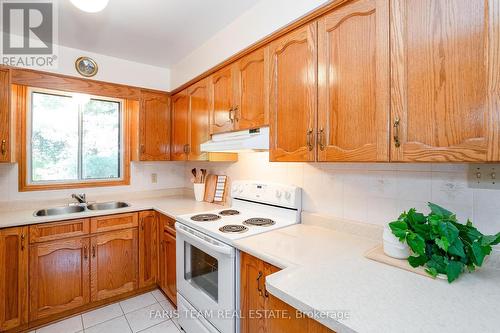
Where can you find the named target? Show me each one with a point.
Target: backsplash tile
(373, 193)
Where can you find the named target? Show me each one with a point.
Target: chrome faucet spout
(81, 198)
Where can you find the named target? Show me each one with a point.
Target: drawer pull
(259, 289)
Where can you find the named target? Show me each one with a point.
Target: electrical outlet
(154, 178)
(484, 176)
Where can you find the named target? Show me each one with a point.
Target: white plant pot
(393, 247)
(199, 191)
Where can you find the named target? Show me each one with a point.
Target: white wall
(115, 70)
(170, 175)
(371, 193)
(259, 21)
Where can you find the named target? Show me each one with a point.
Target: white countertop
(171, 205)
(325, 270)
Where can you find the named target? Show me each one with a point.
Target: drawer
(57, 230)
(167, 223)
(113, 222)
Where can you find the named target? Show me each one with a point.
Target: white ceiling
(154, 32)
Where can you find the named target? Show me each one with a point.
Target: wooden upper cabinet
(445, 80)
(154, 126)
(180, 126)
(293, 96)
(114, 263)
(222, 103)
(13, 278)
(59, 276)
(199, 115)
(353, 77)
(251, 75)
(5, 121)
(148, 248)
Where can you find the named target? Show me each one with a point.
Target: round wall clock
(86, 66)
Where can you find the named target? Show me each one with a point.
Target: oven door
(206, 276)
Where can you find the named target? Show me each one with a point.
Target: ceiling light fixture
(90, 6)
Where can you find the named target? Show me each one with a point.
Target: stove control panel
(270, 193)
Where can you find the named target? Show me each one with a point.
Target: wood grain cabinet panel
(445, 78)
(180, 126)
(58, 230)
(5, 119)
(113, 222)
(167, 279)
(263, 312)
(251, 79)
(114, 263)
(353, 74)
(59, 276)
(199, 116)
(148, 248)
(222, 103)
(293, 96)
(13, 278)
(154, 126)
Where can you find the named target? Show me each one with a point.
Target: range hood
(240, 141)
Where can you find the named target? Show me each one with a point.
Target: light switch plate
(484, 176)
(154, 178)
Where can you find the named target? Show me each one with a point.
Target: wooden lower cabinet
(59, 276)
(148, 248)
(13, 278)
(167, 280)
(257, 304)
(114, 268)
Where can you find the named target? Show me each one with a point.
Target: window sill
(63, 186)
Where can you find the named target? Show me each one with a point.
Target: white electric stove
(208, 264)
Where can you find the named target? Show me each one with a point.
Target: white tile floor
(146, 313)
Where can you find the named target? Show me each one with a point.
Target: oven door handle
(205, 241)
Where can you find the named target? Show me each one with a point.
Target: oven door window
(202, 271)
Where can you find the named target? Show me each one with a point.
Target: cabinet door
(13, 278)
(5, 153)
(154, 127)
(59, 276)
(252, 295)
(170, 287)
(221, 93)
(114, 263)
(199, 115)
(353, 77)
(251, 81)
(293, 96)
(445, 93)
(180, 125)
(148, 248)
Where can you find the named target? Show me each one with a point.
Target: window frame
(23, 95)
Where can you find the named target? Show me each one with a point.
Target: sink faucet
(81, 198)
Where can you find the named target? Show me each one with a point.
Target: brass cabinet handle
(93, 251)
(235, 110)
(143, 148)
(186, 148)
(259, 289)
(309, 140)
(4, 147)
(85, 252)
(231, 119)
(397, 143)
(321, 139)
(22, 241)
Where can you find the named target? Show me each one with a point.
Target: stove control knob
(278, 194)
(288, 196)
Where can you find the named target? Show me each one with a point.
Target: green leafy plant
(442, 244)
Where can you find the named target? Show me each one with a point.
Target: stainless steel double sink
(72, 209)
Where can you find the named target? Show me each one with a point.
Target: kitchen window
(73, 139)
